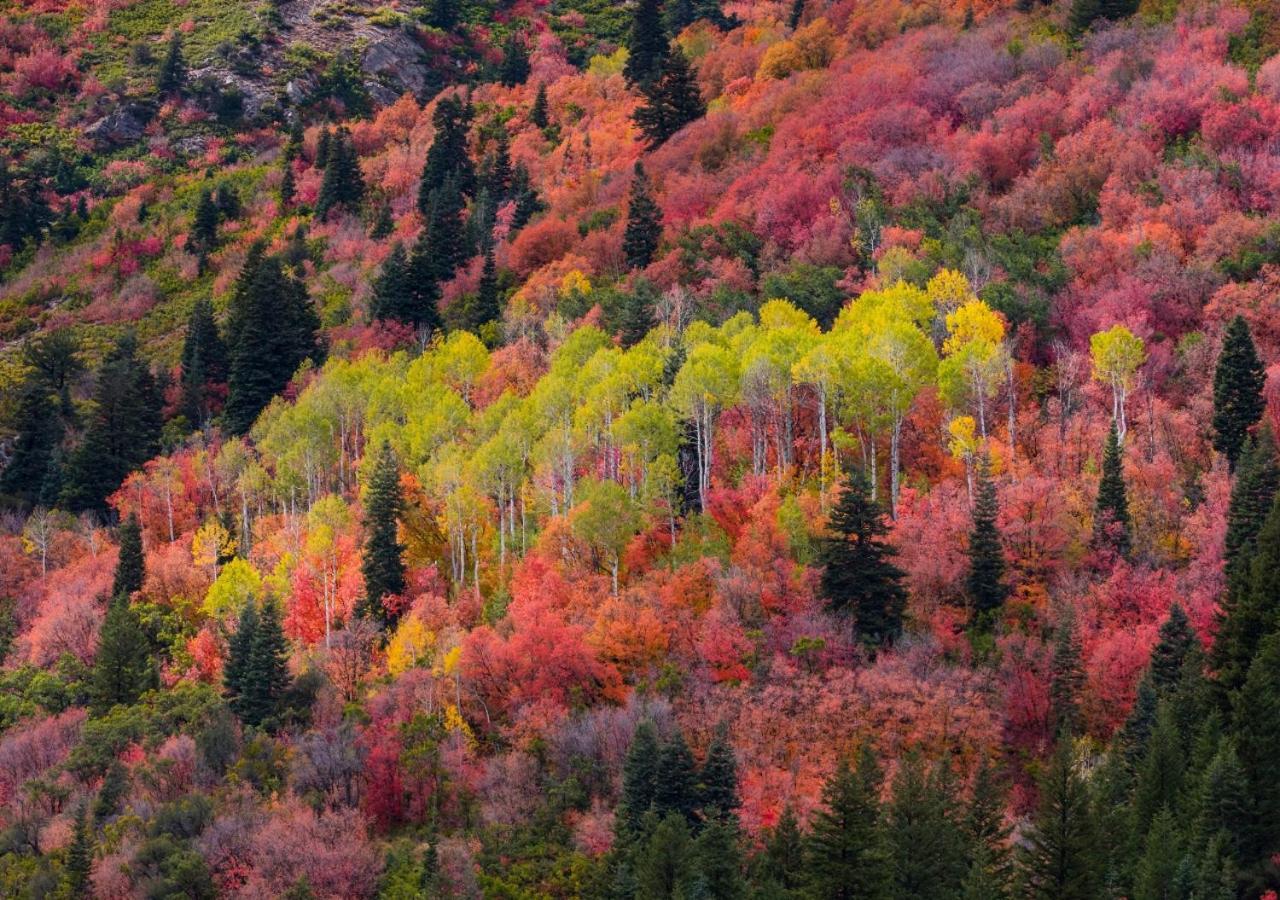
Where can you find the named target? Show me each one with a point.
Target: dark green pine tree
(515, 61)
(987, 835)
(266, 676)
(1257, 730)
(846, 853)
(1066, 678)
(323, 144)
(985, 581)
(79, 867)
(859, 579)
(1252, 611)
(782, 864)
(1134, 736)
(288, 184)
(647, 45)
(1163, 772)
(40, 432)
(1253, 491)
(639, 782)
(540, 113)
(644, 222)
(447, 158)
(675, 784)
(130, 566)
(24, 213)
(635, 316)
(718, 779)
(496, 172)
(173, 68)
(272, 329)
(1237, 391)
(1177, 643)
(115, 787)
(343, 183)
(204, 223)
(1157, 876)
(383, 224)
(671, 101)
(486, 306)
(204, 363)
(1111, 523)
(1224, 806)
(122, 669)
(1060, 860)
(928, 850)
(424, 284)
(393, 290)
(664, 867)
(235, 672)
(383, 563)
(528, 203)
(123, 431)
(446, 230)
(718, 864)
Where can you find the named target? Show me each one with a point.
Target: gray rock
(120, 127)
(397, 62)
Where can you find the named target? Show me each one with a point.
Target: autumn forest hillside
(674, 449)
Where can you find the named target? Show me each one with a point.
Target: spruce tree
(383, 563)
(639, 781)
(266, 675)
(383, 223)
(675, 781)
(486, 306)
(986, 833)
(647, 44)
(79, 867)
(173, 68)
(1066, 678)
(424, 284)
(204, 223)
(393, 290)
(40, 432)
(1162, 774)
(783, 860)
(515, 61)
(343, 183)
(1157, 873)
(1060, 860)
(858, 578)
(272, 330)
(1253, 491)
(927, 846)
(1224, 805)
(204, 362)
(115, 787)
(1134, 736)
(635, 317)
(122, 669)
(847, 858)
(644, 222)
(1111, 524)
(985, 581)
(1257, 729)
(447, 156)
(664, 867)
(718, 779)
(539, 113)
(1251, 612)
(123, 431)
(497, 173)
(288, 184)
(323, 144)
(446, 232)
(717, 857)
(1176, 644)
(235, 672)
(130, 565)
(671, 101)
(1237, 391)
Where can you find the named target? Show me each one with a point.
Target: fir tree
(985, 582)
(424, 284)
(123, 431)
(987, 834)
(393, 290)
(635, 317)
(515, 61)
(24, 213)
(486, 306)
(644, 222)
(272, 330)
(204, 362)
(1060, 861)
(1177, 643)
(343, 183)
(115, 787)
(665, 866)
(446, 231)
(1157, 873)
(671, 101)
(1224, 806)
(846, 854)
(1237, 391)
(859, 578)
(647, 45)
(323, 144)
(1134, 736)
(1111, 523)
(675, 781)
(539, 113)
(130, 566)
(79, 867)
(718, 780)
(528, 203)
(1253, 491)
(235, 672)
(1252, 611)
(40, 431)
(639, 781)
(204, 223)
(383, 563)
(927, 847)
(497, 174)
(1257, 728)
(717, 855)
(288, 184)
(266, 676)
(784, 853)
(173, 68)
(383, 224)
(447, 158)
(122, 669)
(1162, 773)
(1066, 678)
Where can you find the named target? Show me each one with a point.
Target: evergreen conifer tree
(1066, 678)
(393, 289)
(515, 61)
(1157, 874)
(486, 306)
(859, 579)
(639, 781)
(635, 317)
(847, 857)
(173, 68)
(1177, 643)
(383, 224)
(40, 432)
(235, 672)
(447, 157)
(647, 44)
(115, 786)
(718, 779)
(130, 565)
(204, 362)
(424, 284)
(383, 563)
(644, 222)
(1257, 729)
(783, 862)
(1111, 522)
(343, 183)
(1060, 861)
(1237, 390)
(1224, 806)
(539, 113)
(985, 581)
(80, 856)
(122, 669)
(1162, 773)
(288, 184)
(675, 782)
(446, 230)
(671, 101)
(324, 142)
(1251, 612)
(717, 857)
(1253, 492)
(266, 676)
(665, 865)
(927, 846)
(986, 833)
(204, 223)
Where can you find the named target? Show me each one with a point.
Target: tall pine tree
(1060, 859)
(639, 782)
(130, 565)
(235, 672)
(1237, 390)
(671, 101)
(675, 781)
(1252, 494)
(1066, 678)
(859, 578)
(383, 563)
(173, 68)
(343, 183)
(1111, 523)
(847, 857)
(266, 674)
(1252, 611)
(718, 779)
(515, 61)
(79, 867)
(985, 581)
(644, 222)
(204, 363)
(647, 44)
(393, 290)
(122, 669)
(447, 157)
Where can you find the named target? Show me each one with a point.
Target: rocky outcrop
(120, 127)
(393, 59)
